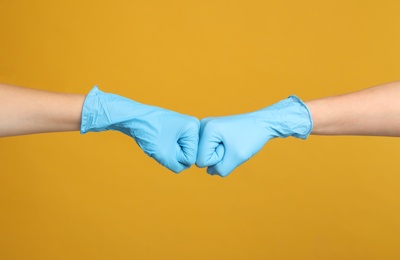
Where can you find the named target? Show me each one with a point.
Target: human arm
(167, 136)
(29, 111)
(373, 111)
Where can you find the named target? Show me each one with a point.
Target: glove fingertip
(207, 161)
(213, 171)
(186, 156)
(221, 169)
(179, 168)
(210, 156)
(200, 162)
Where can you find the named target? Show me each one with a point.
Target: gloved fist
(227, 142)
(168, 137)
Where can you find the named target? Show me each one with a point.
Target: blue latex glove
(227, 142)
(168, 137)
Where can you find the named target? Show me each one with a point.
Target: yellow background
(98, 196)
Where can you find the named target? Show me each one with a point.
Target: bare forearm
(372, 111)
(28, 111)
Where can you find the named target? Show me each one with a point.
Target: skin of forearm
(373, 111)
(29, 111)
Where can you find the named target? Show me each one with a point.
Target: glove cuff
(298, 118)
(289, 117)
(91, 103)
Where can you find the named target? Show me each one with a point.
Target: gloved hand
(168, 137)
(227, 142)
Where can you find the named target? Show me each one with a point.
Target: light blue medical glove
(168, 137)
(227, 142)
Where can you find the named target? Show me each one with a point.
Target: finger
(187, 150)
(169, 161)
(187, 145)
(211, 149)
(178, 167)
